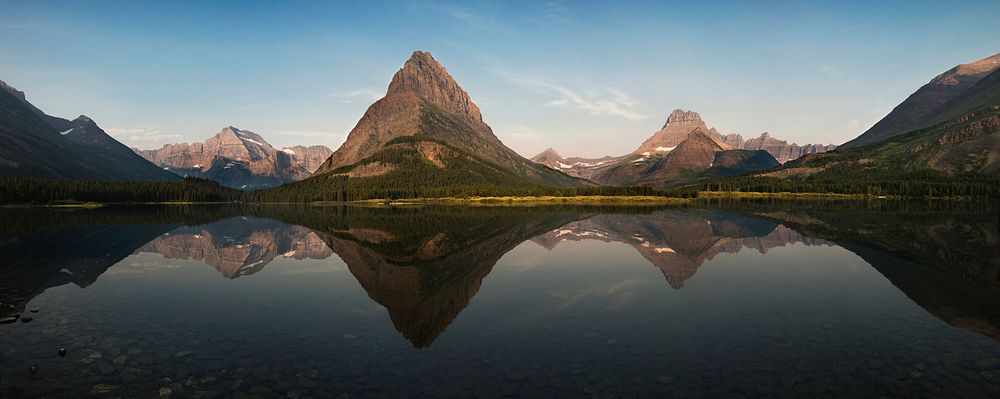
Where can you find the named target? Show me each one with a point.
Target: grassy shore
(788, 195)
(521, 201)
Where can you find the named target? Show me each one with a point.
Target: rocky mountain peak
(423, 76)
(549, 152)
(681, 116)
(17, 93)
(700, 136)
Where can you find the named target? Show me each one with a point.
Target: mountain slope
(968, 144)
(918, 110)
(424, 101)
(234, 158)
(959, 157)
(983, 94)
(31, 145)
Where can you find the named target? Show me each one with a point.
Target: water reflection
(678, 243)
(239, 246)
(424, 267)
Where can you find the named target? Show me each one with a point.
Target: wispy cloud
(596, 101)
(347, 96)
(141, 135)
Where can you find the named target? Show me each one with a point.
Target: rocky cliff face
(779, 149)
(918, 110)
(424, 103)
(233, 158)
(311, 157)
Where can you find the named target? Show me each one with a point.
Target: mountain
(31, 145)
(427, 129)
(735, 162)
(963, 145)
(311, 157)
(236, 158)
(926, 105)
(701, 156)
(627, 169)
(958, 133)
(779, 149)
(983, 94)
(679, 124)
(584, 168)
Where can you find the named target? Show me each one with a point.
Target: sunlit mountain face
(277, 301)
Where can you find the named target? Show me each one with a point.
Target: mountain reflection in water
(424, 266)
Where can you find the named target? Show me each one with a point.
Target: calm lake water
(728, 299)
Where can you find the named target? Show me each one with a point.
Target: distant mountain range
(239, 159)
(668, 158)
(35, 144)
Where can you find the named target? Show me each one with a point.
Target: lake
(717, 299)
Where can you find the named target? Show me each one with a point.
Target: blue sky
(587, 78)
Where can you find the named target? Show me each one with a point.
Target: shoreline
(526, 200)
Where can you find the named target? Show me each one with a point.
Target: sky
(587, 78)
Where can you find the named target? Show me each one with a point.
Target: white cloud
(596, 101)
(141, 135)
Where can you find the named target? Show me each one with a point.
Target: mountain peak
(423, 76)
(700, 135)
(682, 116)
(548, 153)
(246, 137)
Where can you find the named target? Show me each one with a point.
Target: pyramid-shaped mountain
(427, 128)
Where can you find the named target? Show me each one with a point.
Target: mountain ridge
(235, 158)
(39, 145)
(919, 108)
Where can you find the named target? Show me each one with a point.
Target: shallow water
(718, 300)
